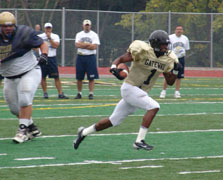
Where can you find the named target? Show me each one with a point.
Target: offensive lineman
(148, 62)
(22, 73)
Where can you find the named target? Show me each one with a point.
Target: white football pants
(133, 98)
(20, 92)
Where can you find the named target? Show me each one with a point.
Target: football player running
(148, 62)
(22, 73)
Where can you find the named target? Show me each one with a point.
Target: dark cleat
(62, 96)
(91, 96)
(142, 145)
(45, 95)
(78, 96)
(34, 131)
(80, 137)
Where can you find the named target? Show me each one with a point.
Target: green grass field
(187, 135)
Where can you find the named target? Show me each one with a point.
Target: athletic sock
(89, 130)
(142, 134)
(24, 122)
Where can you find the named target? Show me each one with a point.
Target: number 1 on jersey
(150, 76)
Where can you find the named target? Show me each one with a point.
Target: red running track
(189, 72)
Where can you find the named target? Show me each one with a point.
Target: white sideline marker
(199, 172)
(33, 158)
(141, 167)
(3, 154)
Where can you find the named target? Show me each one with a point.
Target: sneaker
(177, 95)
(91, 96)
(80, 137)
(142, 145)
(22, 135)
(45, 95)
(163, 94)
(78, 96)
(62, 96)
(34, 131)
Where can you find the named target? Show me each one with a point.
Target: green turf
(104, 157)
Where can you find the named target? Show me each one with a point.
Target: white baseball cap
(48, 25)
(86, 21)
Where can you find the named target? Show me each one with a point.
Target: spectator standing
(86, 43)
(51, 69)
(38, 29)
(179, 44)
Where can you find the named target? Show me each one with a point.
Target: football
(124, 70)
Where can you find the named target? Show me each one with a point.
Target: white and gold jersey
(146, 67)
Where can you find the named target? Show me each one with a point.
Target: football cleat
(91, 96)
(142, 145)
(62, 96)
(34, 131)
(45, 95)
(78, 96)
(22, 135)
(177, 95)
(80, 137)
(163, 94)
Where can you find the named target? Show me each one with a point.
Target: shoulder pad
(173, 56)
(136, 47)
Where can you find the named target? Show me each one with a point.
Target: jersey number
(150, 76)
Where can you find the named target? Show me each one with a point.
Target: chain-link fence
(117, 30)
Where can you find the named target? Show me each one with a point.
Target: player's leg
(179, 77)
(80, 73)
(121, 111)
(26, 89)
(92, 73)
(163, 92)
(11, 96)
(44, 71)
(140, 99)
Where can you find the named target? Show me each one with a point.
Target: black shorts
(86, 64)
(181, 72)
(50, 69)
(1, 77)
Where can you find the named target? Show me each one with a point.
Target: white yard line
(133, 133)
(141, 167)
(199, 172)
(3, 154)
(33, 158)
(135, 115)
(111, 162)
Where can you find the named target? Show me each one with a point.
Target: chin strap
(158, 53)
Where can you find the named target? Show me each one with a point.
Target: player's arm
(127, 57)
(43, 59)
(172, 76)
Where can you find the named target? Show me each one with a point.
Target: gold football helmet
(7, 18)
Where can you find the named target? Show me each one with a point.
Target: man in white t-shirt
(179, 44)
(50, 69)
(87, 42)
